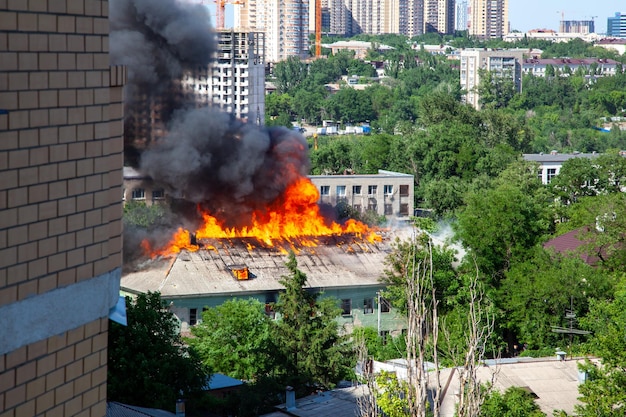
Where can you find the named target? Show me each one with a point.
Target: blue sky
(532, 14)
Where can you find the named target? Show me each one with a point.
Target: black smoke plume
(207, 158)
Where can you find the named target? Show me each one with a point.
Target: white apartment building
(235, 81)
(503, 63)
(599, 66)
(549, 164)
(461, 15)
(489, 18)
(285, 24)
(387, 193)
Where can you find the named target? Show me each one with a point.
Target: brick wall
(64, 375)
(60, 211)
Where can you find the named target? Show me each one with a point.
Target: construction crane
(318, 28)
(220, 6)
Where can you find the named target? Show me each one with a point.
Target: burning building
(239, 192)
(344, 267)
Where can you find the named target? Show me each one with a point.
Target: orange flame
(295, 215)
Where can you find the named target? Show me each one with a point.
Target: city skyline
(525, 15)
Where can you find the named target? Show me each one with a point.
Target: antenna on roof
(570, 315)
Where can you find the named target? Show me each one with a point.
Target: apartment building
(139, 188)
(489, 19)
(235, 81)
(285, 24)
(439, 16)
(61, 125)
(461, 15)
(549, 164)
(577, 26)
(501, 63)
(387, 193)
(598, 67)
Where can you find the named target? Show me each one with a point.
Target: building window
(384, 335)
(404, 190)
(357, 208)
(341, 191)
(346, 307)
(404, 209)
(193, 316)
(269, 310)
(371, 189)
(388, 209)
(158, 194)
(325, 190)
(138, 194)
(540, 174)
(388, 189)
(356, 189)
(551, 174)
(368, 306)
(385, 307)
(372, 206)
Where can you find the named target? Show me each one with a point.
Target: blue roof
(219, 381)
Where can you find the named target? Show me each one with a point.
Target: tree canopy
(148, 363)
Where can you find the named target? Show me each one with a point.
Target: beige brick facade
(60, 213)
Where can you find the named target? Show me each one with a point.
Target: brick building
(60, 182)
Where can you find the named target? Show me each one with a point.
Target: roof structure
(555, 157)
(553, 382)
(115, 409)
(571, 243)
(221, 381)
(338, 402)
(336, 261)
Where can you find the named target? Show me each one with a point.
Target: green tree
(307, 105)
(236, 339)
(148, 364)
(537, 291)
(576, 179)
(391, 395)
(277, 104)
(604, 391)
(515, 402)
(315, 355)
(289, 74)
(495, 91)
(349, 106)
(502, 222)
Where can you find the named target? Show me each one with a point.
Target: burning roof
(337, 261)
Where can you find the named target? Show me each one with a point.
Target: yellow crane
(318, 28)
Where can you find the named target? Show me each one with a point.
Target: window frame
(324, 190)
(346, 306)
(138, 194)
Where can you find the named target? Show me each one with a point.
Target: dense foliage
(469, 171)
(302, 348)
(148, 365)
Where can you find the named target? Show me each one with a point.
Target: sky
(546, 14)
